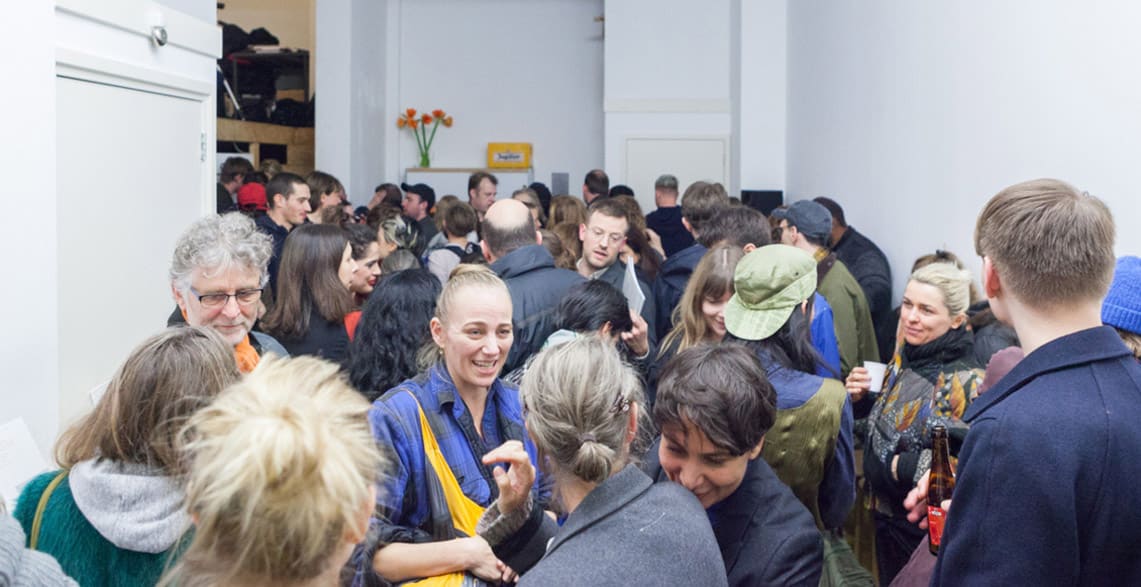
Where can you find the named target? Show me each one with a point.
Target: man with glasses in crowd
(217, 275)
(603, 237)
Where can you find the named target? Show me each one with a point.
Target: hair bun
(593, 461)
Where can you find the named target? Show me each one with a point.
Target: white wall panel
(912, 115)
(525, 71)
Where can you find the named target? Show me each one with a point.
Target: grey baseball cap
(810, 218)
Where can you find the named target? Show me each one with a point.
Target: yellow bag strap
(465, 512)
(41, 506)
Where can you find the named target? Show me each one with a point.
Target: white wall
(667, 72)
(334, 88)
(912, 115)
(528, 71)
(759, 56)
(352, 89)
(368, 109)
(518, 70)
(29, 343)
(114, 254)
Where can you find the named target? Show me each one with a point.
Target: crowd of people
(553, 390)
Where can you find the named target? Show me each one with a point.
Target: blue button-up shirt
(403, 503)
(396, 424)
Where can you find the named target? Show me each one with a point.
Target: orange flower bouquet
(419, 127)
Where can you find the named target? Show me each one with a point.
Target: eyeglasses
(615, 237)
(244, 297)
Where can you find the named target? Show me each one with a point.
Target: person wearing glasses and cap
(810, 445)
(217, 275)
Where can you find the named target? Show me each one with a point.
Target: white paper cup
(876, 371)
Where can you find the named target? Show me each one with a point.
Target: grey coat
(21, 567)
(631, 531)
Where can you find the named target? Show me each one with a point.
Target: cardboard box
(509, 155)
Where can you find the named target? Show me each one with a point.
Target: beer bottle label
(935, 519)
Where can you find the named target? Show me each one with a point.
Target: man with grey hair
(217, 275)
(666, 220)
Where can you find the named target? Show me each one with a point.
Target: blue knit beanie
(1122, 305)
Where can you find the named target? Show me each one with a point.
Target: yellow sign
(509, 155)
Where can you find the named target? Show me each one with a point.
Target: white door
(128, 182)
(134, 167)
(689, 158)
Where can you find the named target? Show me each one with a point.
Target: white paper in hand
(634, 296)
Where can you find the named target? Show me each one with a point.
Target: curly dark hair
(393, 328)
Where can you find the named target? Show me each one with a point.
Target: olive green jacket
(850, 317)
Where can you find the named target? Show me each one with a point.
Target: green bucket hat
(770, 282)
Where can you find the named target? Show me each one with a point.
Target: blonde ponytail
(464, 276)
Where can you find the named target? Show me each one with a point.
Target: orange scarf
(244, 353)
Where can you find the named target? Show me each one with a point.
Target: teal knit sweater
(84, 554)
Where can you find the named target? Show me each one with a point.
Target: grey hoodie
(25, 568)
(132, 506)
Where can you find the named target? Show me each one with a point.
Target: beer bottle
(942, 483)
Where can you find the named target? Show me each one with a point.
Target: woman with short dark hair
(713, 409)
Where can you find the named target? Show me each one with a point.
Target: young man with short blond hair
(1046, 487)
(602, 238)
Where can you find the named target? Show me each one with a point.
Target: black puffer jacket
(536, 288)
(929, 384)
(870, 267)
(991, 335)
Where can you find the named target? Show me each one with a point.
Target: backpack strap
(41, 506)
(457, 250)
